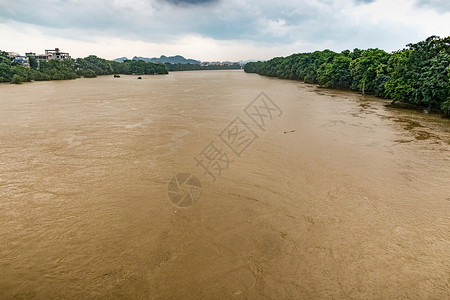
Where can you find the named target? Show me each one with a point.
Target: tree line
(193, 67)
(90, 66)
(418, 74)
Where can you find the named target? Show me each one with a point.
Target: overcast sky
(217, 29)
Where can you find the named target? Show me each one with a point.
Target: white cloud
(277, 28)
(393, 24)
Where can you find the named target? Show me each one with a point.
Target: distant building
(218, 63)
(22, 60)
(19, 59)
(58, 55)
(39, 57)
(49, 55)
(13, 54)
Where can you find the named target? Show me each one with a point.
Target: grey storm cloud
(437, 5)
(192, 2)
(264, 22)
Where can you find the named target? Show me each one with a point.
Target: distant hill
(121, 59)
(177, 59)
(243, 62)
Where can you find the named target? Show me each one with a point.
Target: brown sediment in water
(352, 203)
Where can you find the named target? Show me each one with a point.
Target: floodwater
(339, 197)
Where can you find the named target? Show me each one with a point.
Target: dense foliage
(192, 67)
(107, 67)
(418, 74)
(90, 66)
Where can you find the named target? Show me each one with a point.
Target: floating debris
(289, 131)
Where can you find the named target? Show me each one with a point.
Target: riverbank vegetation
(89, 67)
(418, 74)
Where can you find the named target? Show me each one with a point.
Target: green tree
(365, 68)
(17, 79)
(89, 73)
(33, 62)
(336, 74)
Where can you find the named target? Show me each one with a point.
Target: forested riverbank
(418, 74)
(90, 66)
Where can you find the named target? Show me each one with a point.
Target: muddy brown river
(311, 194)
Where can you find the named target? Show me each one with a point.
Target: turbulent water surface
(335, 196)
